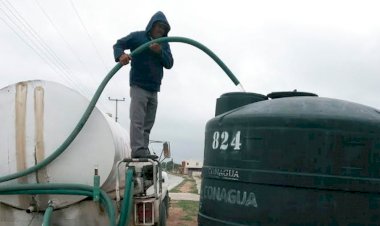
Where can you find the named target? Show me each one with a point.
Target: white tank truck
(93, 182)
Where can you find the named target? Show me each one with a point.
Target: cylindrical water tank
(36, 117)
(301, 160)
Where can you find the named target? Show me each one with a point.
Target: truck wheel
(163, 215)
(167, 203)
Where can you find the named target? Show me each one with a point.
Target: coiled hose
(62, 189)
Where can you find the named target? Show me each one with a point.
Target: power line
(34, 34)
(25, 32)
(89, 36)
(38, 42)
(61, 35)
(65, 41)
(27, 43)
(70, 48)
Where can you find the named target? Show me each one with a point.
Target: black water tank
(301, 160)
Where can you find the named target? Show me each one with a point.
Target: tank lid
(244, 94)
(295, 93)
(233, 100)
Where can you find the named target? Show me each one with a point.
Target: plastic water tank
(36, 117)
(301, 160)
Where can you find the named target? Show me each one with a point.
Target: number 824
(221, 140)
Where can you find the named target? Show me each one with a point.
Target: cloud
(324, 47)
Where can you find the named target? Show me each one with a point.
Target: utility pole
(116, 100)
(172, 164)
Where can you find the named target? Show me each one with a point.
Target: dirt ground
(176, 214)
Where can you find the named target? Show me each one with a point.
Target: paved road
(174, 181)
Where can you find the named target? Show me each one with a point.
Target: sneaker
(143, 153)
(153, 157)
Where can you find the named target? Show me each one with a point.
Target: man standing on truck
(144, 79)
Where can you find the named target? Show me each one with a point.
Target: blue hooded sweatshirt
(147, 66)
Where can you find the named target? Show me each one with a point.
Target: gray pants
(142, 113)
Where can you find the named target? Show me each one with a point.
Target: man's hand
(155, 47)
(124, 59)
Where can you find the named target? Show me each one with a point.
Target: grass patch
(176, 189)
(194, 188)
(190, 208)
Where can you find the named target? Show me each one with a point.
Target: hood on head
(159, 16)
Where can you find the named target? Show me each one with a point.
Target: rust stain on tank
(41, 175)
(39, 132)
(21, 96)
(20, 124)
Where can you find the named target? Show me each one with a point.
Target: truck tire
(167, 203)
(163, 215)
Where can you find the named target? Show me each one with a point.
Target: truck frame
(145, 201)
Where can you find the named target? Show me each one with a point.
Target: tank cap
(230, 101)
(295, 93)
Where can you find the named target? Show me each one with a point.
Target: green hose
(47, 216)
(126, 206)
(63, 189)
(97, 94)
(193, 43)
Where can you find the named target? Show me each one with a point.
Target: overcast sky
(331, 48)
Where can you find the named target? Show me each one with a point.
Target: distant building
(192, 167)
